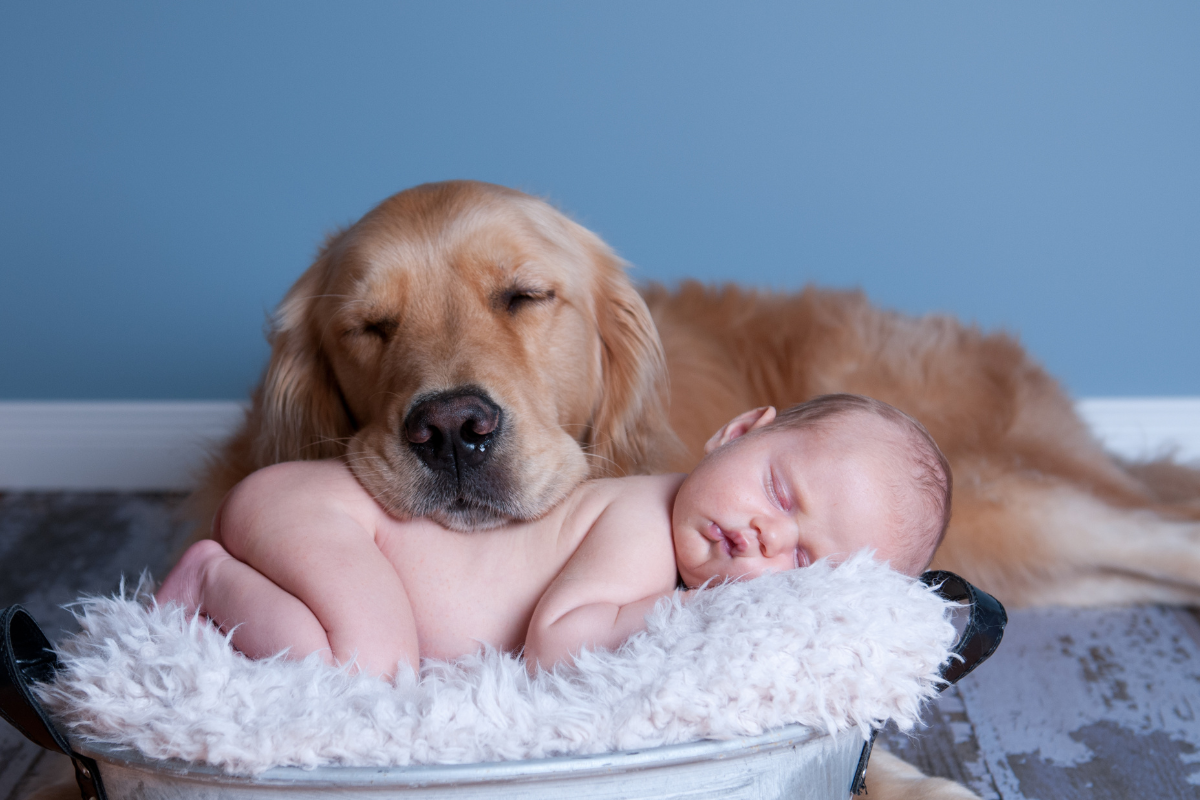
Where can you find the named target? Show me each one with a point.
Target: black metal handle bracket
(980, 638)
(26, 658)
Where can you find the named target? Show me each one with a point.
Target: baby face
(781, 499)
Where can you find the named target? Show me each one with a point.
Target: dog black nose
(453, 430)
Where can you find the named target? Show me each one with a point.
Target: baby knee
(184, 585)
(203, 552)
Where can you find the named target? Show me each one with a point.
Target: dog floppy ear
(295, 413)
(630, 431)
(298, 411)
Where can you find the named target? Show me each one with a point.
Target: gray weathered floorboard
(944, 745)
(1090, 704)
(17, 755)
(55, 547)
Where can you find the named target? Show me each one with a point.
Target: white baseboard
(109, 446)
(151, 446)
(1145, 427)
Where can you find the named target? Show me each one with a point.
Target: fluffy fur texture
(830, 648)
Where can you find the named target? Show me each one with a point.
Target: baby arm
(295, 566)
(622, 568)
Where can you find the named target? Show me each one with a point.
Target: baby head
(825, 478)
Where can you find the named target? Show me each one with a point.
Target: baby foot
(184, 584)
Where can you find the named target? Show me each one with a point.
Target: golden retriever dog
(474, 354)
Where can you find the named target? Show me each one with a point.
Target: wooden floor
(1075, 704)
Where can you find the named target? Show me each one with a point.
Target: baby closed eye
(777, 492)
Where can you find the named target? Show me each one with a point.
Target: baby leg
(264, 618)
(183, 582)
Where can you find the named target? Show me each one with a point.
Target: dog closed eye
(383, 329)
(514, 298)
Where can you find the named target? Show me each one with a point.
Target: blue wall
(167, 169)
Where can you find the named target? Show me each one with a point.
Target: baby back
(468, 589)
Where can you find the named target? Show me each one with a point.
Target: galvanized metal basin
(790, 763)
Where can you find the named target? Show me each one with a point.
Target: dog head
(472, 352)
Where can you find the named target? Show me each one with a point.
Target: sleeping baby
(304, 560)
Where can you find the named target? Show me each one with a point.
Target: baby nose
(773, 539)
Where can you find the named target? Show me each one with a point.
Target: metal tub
(788, 763)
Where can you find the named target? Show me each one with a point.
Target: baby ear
(739, 426)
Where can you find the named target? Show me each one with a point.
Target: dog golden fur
(474, 355)
(1042, 515)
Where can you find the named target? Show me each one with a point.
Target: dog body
(1042, 515)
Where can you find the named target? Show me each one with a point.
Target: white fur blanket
(830, 648)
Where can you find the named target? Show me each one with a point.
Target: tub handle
(985, 625)
(26, 657)
(979, 639)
